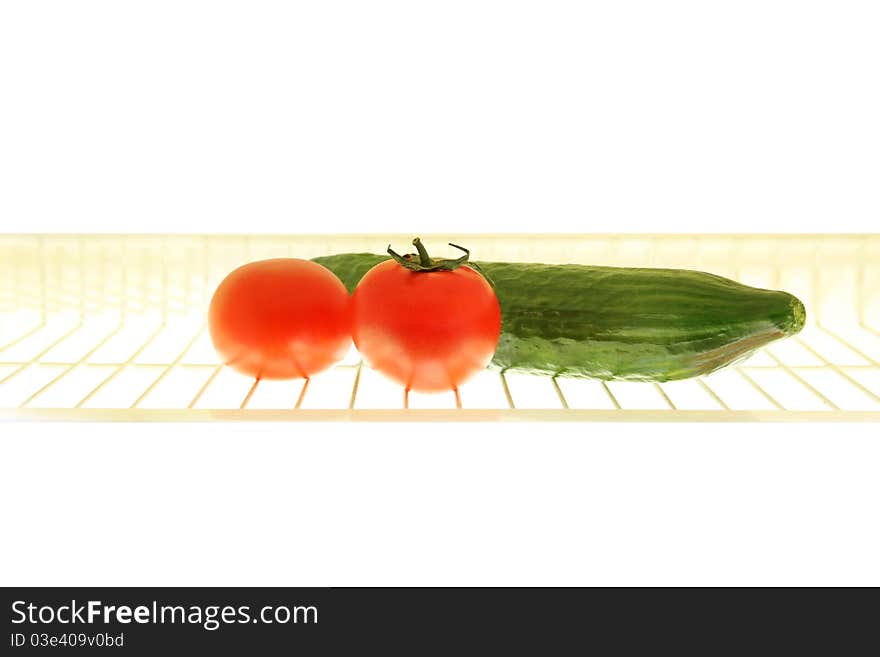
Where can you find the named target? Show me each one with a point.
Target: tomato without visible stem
(428, 330)
(280, 319)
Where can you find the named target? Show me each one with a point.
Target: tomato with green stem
(428, 323)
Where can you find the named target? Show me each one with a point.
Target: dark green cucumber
(619, 323)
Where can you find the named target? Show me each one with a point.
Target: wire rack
(112, 327)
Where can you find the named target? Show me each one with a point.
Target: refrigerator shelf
(112, 327)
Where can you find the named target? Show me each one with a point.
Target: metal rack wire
(112, 328)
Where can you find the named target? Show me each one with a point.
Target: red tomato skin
(284, 318)
(429, 331)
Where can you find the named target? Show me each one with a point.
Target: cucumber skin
(619, 323)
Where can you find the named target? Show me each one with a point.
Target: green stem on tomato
(424, 258)
(422, 262)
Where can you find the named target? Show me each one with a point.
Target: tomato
(280, 319)
(428, 324)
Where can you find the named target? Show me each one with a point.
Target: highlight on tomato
(283, 318)
(427, 323)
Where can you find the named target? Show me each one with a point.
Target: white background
(441, 117)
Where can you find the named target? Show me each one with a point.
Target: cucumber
(619, 323)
